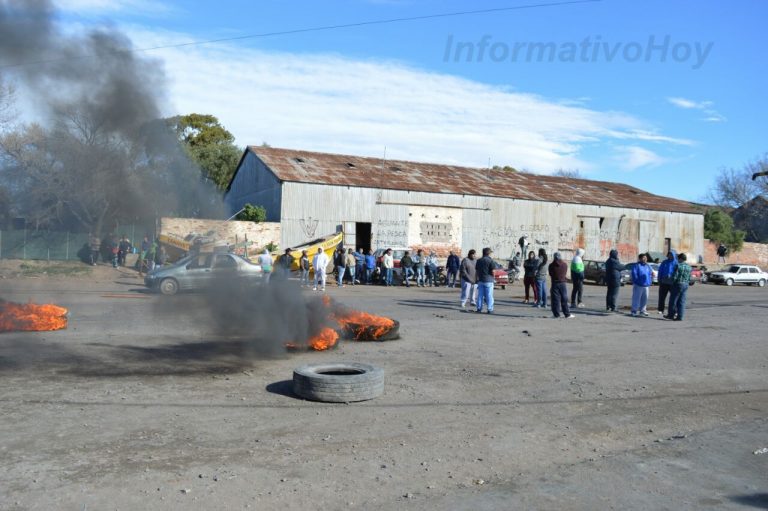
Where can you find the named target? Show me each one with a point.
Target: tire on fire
(343, 382)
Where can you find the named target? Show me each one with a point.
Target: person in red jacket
(558, 272)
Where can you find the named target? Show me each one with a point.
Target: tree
(734, 187)
(251, 213)
(209, 144)
(569, 173)
(505, 168)
(718, 227)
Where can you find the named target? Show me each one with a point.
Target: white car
(739, 274)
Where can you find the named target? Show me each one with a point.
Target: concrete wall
(256, 185)
(260, 234)
(751, 253)
(449, 221)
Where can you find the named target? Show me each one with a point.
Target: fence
(55, 245)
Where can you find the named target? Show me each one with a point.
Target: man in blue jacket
(666, 270)
(452, 266)
(613, 269)
(642, 279)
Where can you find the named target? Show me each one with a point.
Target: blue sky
(665, 124)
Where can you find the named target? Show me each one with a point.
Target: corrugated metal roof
(343, 170)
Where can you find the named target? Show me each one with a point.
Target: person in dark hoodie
(558, 271)
(613, 269)
(541, 279)
(666, 270)
(529, 277)
(485, 281)
(406, 263)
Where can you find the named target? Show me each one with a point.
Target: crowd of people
(114, 251)
(476, 278)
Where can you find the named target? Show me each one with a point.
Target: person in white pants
(320, 263)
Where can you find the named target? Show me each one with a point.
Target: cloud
(332, 103)
(711, 115)
(634, 157)
(112, 6)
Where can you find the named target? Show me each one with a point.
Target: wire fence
(56, 245)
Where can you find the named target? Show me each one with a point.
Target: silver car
(199, 271)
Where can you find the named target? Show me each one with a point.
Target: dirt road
(134, 408)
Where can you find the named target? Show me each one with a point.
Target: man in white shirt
(320, 263)
(388, 262)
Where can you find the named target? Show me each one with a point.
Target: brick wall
(751, 253)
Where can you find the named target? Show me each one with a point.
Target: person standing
(529, 277)
(541, 279)
(265, 261)
(123, 249)
(721, 251)
(642, 278)
(558, 272)
(419, 263)
(340, 262)
(284, 264)
(94, 245)
(485, 281)
(613, 269)
(351, 265)
(320, 263)
(388, 263)
(432, 269)
(406, 263)
(360, 266)
(577, 278)
(666, 270)
(452, 267)
(680, 281)
(523, 242)
(370, 266)
(468, 277)
(304, 269)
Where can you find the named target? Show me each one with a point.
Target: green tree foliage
(251, 213)
(718, 227)
(209, 144)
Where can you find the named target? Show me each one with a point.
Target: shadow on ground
(24, 354)
(758, 500)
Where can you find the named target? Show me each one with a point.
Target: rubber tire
(600, 281)
(761, 283)
(169, 286)
(729, 282)
(503, 287)
(310, 383)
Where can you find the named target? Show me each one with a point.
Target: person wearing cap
(558, 272)
(485, 281)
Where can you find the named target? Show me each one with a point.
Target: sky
(656, 94)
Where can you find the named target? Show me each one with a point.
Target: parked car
(595, 271)
(739, 274)
(500, 276)
(698, 274)
(654, 271)
(397, 254)
(196, 272)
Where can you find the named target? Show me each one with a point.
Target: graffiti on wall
(391, 233)
(308, 226)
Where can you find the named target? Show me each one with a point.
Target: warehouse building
(380, 204)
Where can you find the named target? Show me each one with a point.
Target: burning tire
(343, 382)
(367, 332)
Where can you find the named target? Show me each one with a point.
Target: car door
(198, 272)
(742, 275)
(754, 274)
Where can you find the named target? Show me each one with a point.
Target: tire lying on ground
(342, 382)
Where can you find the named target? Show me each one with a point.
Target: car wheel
(761, 282)
(600, 281)
(503, 287)
(692, 283)
(169, 287)
(729, 282)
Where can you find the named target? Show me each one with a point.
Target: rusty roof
(344, 170)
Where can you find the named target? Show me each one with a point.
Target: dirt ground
(132, 409)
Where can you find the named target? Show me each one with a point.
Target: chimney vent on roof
(396, 169)
(351, 165)
(299, 160)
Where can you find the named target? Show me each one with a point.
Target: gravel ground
(133, 408)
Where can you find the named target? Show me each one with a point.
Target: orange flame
(326, 339)
(362, 323)
(31, 317)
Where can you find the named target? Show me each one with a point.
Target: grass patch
(66, 268)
